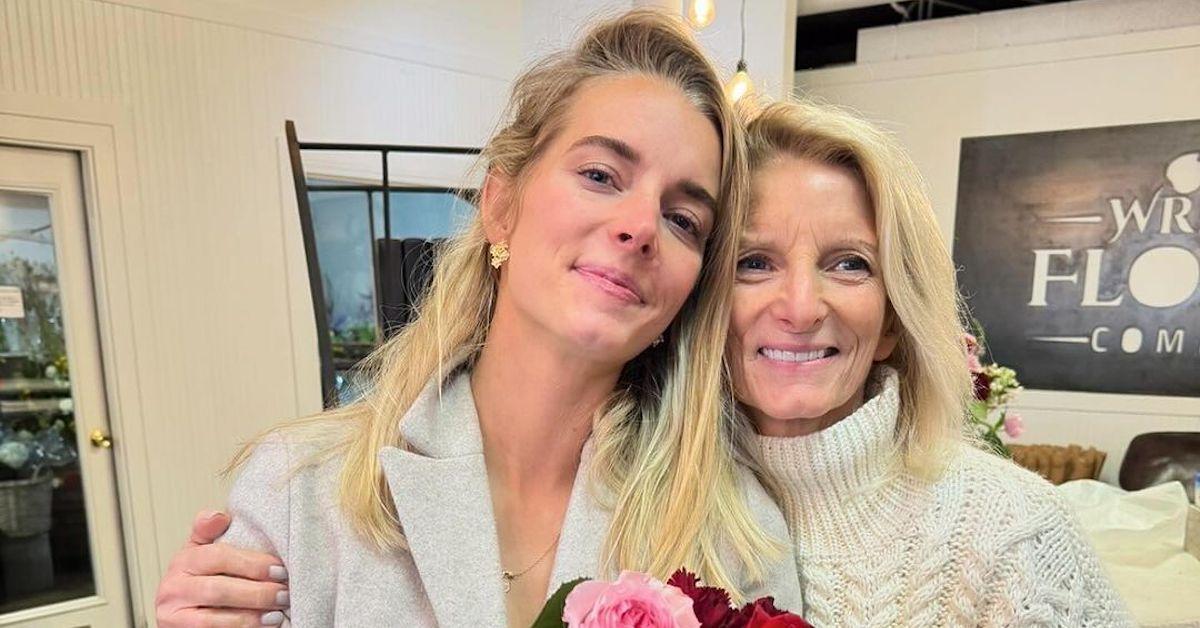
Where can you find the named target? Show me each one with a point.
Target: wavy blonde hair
(662, 451)
(917, 268)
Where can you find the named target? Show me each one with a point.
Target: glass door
(61, 555)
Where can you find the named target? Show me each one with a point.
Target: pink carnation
(635, 600)
(973, 363)
(972, 344)
(1014, 425)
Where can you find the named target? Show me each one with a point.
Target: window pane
(343, 232)
(44, 550)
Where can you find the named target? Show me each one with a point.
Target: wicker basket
(1058, 463)
(25, 506)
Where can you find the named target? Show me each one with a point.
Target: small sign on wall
(12, 304)
(1080, 255)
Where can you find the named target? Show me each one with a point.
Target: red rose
(762, 614)
(710, 604)
(760, 619)
(983, 386)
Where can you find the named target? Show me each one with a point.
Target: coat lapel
(584, 529)
(444, 505)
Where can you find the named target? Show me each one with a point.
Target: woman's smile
(795, 358)
(612, 282)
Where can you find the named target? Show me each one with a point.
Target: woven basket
(25, 506)
(1058, 463)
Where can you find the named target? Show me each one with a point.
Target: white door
(61, 555)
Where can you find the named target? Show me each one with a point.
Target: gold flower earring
(499, 253)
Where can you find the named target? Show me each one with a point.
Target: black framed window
(369, 247)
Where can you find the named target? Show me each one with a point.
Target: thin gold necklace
(508, 576)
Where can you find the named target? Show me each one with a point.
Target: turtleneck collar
(843, 488)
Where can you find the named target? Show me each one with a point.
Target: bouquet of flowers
(637, 600)
(995, 387)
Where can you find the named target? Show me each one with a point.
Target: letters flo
(1164, 276)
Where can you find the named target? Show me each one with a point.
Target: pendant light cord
(742, 56)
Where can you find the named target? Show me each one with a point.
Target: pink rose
(1014, 425)
(635, 600)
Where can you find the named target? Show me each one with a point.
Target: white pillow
(1139, 537)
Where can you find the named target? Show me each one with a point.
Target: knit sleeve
(1047, 574)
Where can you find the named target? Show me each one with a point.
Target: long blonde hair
(661, 452)
(916, 264)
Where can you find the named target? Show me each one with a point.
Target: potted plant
(27, 460)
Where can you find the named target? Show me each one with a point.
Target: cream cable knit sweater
(988, 544)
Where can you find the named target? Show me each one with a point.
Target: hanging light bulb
(700, 13)
(740, 84)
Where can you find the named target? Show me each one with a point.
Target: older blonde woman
(523, 431)
(847, 357)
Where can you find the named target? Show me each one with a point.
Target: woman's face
(609, 232)
(810, 311)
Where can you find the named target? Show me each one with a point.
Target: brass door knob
(100, 439)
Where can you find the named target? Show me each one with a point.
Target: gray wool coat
(451, 575)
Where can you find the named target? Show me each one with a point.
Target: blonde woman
(847, 357)
(554, 411)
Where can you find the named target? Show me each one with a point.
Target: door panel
(61, 556)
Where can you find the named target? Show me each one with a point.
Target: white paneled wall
(224, 339)
(552, 25)
(934, 99)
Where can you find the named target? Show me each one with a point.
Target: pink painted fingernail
(273, 618)
(282, 598)
(277, 573)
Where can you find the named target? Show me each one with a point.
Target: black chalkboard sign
(1079, 252)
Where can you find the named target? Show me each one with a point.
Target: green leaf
(999, 422)
(979, 412)
(552, 612)
(996, 445)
